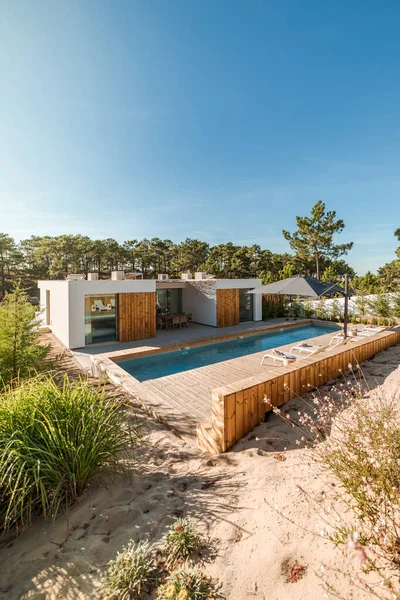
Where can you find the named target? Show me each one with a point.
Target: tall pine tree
(313, 240)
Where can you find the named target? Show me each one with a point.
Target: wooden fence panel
(136, 316)
(227, 307)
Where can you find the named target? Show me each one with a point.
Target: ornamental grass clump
(53, 442)
(187, 583)
(182, 540)
(132, 574)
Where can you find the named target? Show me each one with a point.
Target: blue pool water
(168, 363)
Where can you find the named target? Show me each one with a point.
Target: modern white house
(83, 311)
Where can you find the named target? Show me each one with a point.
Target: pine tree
(20, 351)
(313, 240)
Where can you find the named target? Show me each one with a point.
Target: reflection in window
(100, 319)
(169, 300)
(245, 306)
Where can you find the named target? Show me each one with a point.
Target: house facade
(81, 312)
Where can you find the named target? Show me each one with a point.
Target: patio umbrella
(300, 286)
(309, 287)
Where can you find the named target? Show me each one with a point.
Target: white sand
(235, 507)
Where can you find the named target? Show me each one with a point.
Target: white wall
(200, 298)
(353, 309)
(67, 305)
(59, 306)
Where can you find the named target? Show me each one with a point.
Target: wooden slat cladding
(136, 316)
(236, 411)
(227, 307)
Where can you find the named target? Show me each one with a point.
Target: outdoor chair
(183, 320)
(161, 323)
(176, 321)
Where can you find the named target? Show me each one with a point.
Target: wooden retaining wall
(240, 406)
(227, 307)
(136, 316)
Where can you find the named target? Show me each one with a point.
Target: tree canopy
(315, 252)
(313, 242)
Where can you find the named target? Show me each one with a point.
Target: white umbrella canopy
(300, 286)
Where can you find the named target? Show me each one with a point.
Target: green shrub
(380, 306)
(334, 312)
(396, 305)
(321, 310)
(132, 574)
(187, 583)
(182, 540)
(295, 308)
(21, 355)
(53, 441)
(308, 309)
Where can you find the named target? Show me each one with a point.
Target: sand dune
(233, 495)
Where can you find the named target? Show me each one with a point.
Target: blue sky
(216, 119)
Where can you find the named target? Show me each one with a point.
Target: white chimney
(117, 275)
(93, 276)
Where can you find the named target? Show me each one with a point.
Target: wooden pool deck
(194, 403)
(183, 399)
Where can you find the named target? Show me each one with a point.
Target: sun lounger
(285, 357)
(372, 330)
(307, 349)
(98, 305)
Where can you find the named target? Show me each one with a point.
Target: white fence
(372, 305)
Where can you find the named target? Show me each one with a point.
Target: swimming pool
(177, 361)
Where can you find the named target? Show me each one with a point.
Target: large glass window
(100, 319)
(245, 306)
(169, 300)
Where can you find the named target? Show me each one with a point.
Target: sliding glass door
(100, 319)
(169, 300)
(245, 306)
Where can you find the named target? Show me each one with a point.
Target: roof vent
(163, 277)
(117, 275)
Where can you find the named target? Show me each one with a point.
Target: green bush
(182, 540)
(380, 306)
(396, 305)
(53, 441)
(21, 355)
(187, 583)
(132, 574)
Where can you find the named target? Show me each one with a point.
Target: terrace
(215, 405)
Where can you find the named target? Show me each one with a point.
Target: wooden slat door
(227, 307)
(136, 316)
